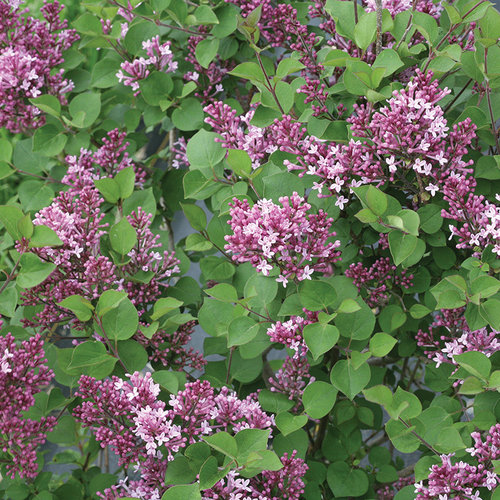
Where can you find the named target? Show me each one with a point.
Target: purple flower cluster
(289, 333)
(286, 484)
(159, 57)
(407, 142)
(479, 220)
(460, 479)
(170, 348)
(238, 133)
(459, 338)
(23, 373)
(268, 235)
(30, 51)
(378, 280)
(396, 6)
(293, 377)
(141, 429)
(76, 216)
(208, 80)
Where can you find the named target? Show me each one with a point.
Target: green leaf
(216, 268)
(224, 443)
(401, 436)
(182, 492)
(91, 358)
(197, 243)
(476, 363)
(84, 109)
(490, 310)
(346, 481)
(109, 189)
(122, 237)
(389, 60)
(348, 306)
(348, 380)
(366, 30)
(205, 15)
(318, 399)
(109, 300)
(274, 402)
(430, 218)
(80, 306)
(121, 322)
(379, 394)
(197, 186)
(381, 344)
(286, 95)
(44, 236)
(163, 306)
(249, 71)
(25, 226)
(316, 295)
(33, 270)
(104, 73)
(49, 140)
(288, 423)
(391, 318)
(240, 162)
(206, 51)
(241, 331)
(125, 179)
(48, 104)
(5, 169)
(357, 325)
(401, 246)
(320, 338)
(288, 66)
(9, 216)
(168, 380)
(156, 88)
(189, 116)
(203, 150)
(223, 292)
(8, 300)
(449, 441)
(133, 355)
(195, 216)
(408, 401)
(250, 440)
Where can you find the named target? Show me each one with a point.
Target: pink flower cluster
(159, 58)
(208, 80)
(396, 6)
(170, 350)
(30, 51)
(459, 339)
(287, 483)
(479, 220)
(76, 216)
(279, 24)
(289, 333)
(267, 235)
(379, 280)
(293, 377)
(388, 492)
(23, 373)
(256, 141)
(407, 142)
(129, 417)
(460, 479)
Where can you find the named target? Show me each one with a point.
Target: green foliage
(368, 387)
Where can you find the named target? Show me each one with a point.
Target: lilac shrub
(328, 327)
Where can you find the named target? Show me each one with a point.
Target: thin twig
(378, 45)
